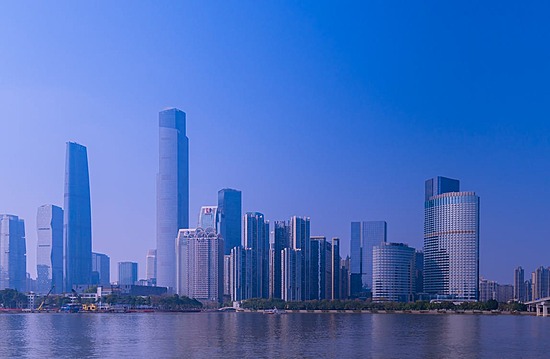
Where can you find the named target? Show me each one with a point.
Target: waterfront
(255, 335)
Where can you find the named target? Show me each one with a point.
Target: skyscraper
(172, 192)
(101, 269)
(393, 272)
(451, 240)
(519, 284)
(77, 232)
(336, 285)
(13, 254)
(291, 276)
(49, 251)
(256, 238)
(540, 282)
(364, 235)
(300, 239)
(229, 209)
(279, 240)
(151, 266)
(318, 280)
(127, 273)
(209, 218)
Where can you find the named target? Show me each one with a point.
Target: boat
(274, 311)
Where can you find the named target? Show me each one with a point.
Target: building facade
(151, 267)
(13, 253)
(230, 212)
(256, 238)
(393, 272)
(300, 239)
(209, 218)
(101, 269)
(77, 222)
(49, 249)
(127, 273)
(280, 239)
(172, 191)
(364, 236)
(451, 241)
(519, 285)
(291, 276)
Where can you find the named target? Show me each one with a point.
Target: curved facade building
(451, 243)
(77, 231)
(393, 272)
(172, 192)
(49, 251)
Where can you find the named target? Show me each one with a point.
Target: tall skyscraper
(451, 240)
(77, 233)
(172, 192)
(49, 251)
(101, 269)
(151, 266)
(209, 218)
(13, 253)
(200, 264)
(336, 285)
(300, 239)
(279, 240)
(229, 209)
(127, 273)
(256, 238)
(364, 236)
(291, 276)
(393, 272)
(318, 265)
(240, 271)
(519, 284)
(540, 282)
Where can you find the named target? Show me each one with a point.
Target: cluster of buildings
(230, 256)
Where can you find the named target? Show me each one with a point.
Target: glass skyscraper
(393, 272)
(127, 273)
(451, 240)
(300, 239)
(256, 238)
(364, 236)
(13, 253)
(49, 251)
(279, 240)
(77, 233)
(172, 192)
(101, 269)
(229, 209)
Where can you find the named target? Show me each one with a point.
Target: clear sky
(335, 110)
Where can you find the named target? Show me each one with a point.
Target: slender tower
(49, 251)
(77, 223)
(172, 192)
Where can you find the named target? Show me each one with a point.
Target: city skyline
(263, 88)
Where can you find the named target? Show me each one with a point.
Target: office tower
(279, 241)
(528, 291)
(318, 265)
(172, 192)
(519, 284)
(540, 282)
(451, 241)
(151, 267)
(336, 271)
(49, 249)
(418, 272)
(364, 235)
(200, 264)
(346, 280)
(240, 270)
(209, 218)
(101, 269)
(256, 238)
(13, 253)
(393, 272)
(77, 222)
(291, 276)
(127, 273)
(229, 209)
(300, 239)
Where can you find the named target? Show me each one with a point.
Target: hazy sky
(335, 110)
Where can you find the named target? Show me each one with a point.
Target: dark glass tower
(77, 231)
(229, 209)
(172, 192)
(256, 238)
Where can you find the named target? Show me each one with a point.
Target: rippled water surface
(255, 335)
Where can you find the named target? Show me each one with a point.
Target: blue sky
(335, 111)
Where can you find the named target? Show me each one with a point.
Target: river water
(256, 335)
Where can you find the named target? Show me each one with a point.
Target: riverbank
(419, 312)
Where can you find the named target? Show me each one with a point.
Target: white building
(393, 272)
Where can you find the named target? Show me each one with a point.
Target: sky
(337, 111)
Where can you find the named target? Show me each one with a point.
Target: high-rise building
(172, 192)
(77, 233)
(300, 239)
(151, 266)
(209, 218)
(240, 271)
(256, 238)
(418, 272)
(229, 209)
(519, 284)
(279, 241)
(49, 251)
(127, 273)
(336, 271)
(540, 282)
(451, 241)
(393, 272)
(200, 264)
(488, 290)
(318, 258)
(364, 236)
(13, 253)
(101, 269)
(291, 276)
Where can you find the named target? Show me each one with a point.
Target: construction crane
(41, 307)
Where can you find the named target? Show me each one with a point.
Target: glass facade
(172, 192)
(127, 273)
(451, 244)
(300, 239)
(364, 236)
(393, 272)
(256, 238)
(209, 218)
(229, 208)
(13, 253)
(49, 249)
(101, 269)
(77, 233)
(279, 241)
(151, 266)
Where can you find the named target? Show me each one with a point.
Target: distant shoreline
(418, 312)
